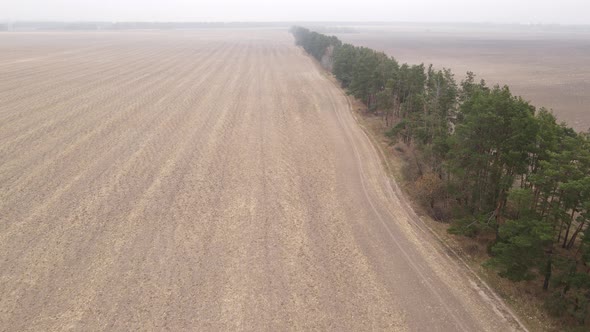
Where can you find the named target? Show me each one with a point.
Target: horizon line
(379, 22)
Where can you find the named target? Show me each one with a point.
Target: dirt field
(211, 180)
(549, 66)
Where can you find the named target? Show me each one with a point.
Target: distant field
(549, 66)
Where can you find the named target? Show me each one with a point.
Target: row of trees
(488, 161)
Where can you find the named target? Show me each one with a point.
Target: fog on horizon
(498, 11)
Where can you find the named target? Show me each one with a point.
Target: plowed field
(205, 180)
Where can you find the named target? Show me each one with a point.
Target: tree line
(485, 160)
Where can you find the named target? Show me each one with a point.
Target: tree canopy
(498, 163)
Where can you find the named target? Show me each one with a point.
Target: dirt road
(211, 180)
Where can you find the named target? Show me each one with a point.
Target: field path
(206, 180)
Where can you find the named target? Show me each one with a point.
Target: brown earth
(210, 180)
(547, 65)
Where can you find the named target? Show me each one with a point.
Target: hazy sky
(500, 11)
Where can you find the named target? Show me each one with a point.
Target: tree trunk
(535, 199)
(569, 225)
(547, 272)
(560, 231)
(570, 244)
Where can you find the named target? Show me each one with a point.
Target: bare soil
(206, 180)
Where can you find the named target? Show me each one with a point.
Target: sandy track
(206, 181)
